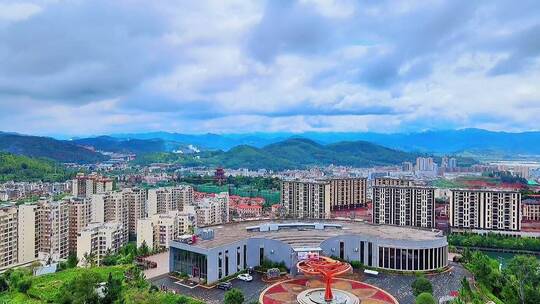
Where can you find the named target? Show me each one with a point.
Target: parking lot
(251, 290)
(397, 285)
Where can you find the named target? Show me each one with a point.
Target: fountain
(327, 268)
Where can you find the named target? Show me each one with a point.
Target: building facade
(52, 229)
(27, 240)
(348, 193)
(213, 210)
(390, 181)
(404, 206)
(485, 209)
(87, 185)
(158, 230)
(237, 246)
(8, 235)
(79, 218)
(305, 199)
(99, 239)
(163, 200)
(135, 199)
(531, 210)
(111, 207)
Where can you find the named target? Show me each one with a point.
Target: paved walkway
(400, 285)
(251, 290)
(162, 260)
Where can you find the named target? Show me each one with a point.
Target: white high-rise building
(111, 207)
(98, 240)
(135, 199)
(53, 229)
(404, 206)
(87, 185)
(425, 164)
(8, 235)
(485, 209)
(79, 218)
(159, 229)
(163, 200)
(306, 199)
(27, 238)
(213, 210)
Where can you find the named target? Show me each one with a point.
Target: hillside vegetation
(293, 153)
(22, 168)
(59, 150)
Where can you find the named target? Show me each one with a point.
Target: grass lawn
(45, 287)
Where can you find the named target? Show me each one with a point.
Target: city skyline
(88, 68)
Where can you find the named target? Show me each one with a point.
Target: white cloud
(88, 67)
(18, 11)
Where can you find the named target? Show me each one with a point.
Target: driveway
(162, 260)
(251, 290)
(400, 285)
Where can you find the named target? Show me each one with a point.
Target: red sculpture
(327, 267)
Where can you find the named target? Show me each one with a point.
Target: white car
(245, 277)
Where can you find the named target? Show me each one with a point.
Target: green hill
(22, 168)
(295, 153)
(59, 150)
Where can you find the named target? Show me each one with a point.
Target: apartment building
(390, 181)
(485, 209)
(306, 199)
(115, 209)
(213, 210)
(348, 193)
(404, 205)
(531, 210)
(28, 229)
(135, 199)
(52, 229)
(157, 230)
(99, 239)
(425, 164)
(79, 217)
(163, 200)
(87, 185)
(8, 235)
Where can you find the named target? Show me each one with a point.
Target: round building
(224, 250)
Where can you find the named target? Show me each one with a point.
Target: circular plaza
(287, 292)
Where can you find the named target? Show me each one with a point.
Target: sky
(77, 68)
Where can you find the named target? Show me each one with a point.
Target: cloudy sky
(96, 67)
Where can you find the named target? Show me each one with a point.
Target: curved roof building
(223, 250)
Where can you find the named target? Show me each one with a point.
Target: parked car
(224, 285)
(245, 277)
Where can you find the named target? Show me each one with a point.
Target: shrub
(421, 285)
(234, 296)
(425, 298)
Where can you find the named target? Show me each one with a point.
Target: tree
(24, 284)
(112, 290)
(72, 260)
(4, 286)
(80, 290)
(421, 285)
(425, 298)
(234, 296)
(89, 259)
(525, 271)
(144, 250)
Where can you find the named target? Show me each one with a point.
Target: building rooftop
(308, 233)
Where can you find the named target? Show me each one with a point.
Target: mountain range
(294, 153)
(466, 141)
(283, 149)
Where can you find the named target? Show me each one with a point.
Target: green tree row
(493, 240)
